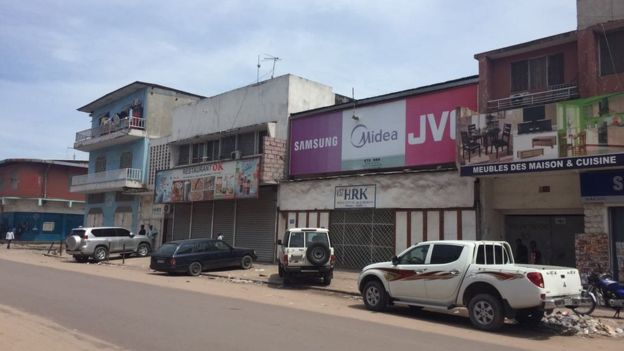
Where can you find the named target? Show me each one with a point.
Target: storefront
(219, 198)
(380, 173)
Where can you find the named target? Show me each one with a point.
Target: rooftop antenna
(258, 71)
(268, 57)
(71, 148)
(353, 96)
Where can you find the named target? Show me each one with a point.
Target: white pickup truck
(479, 275)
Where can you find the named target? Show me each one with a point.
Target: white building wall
(408, 190)
(268, 101)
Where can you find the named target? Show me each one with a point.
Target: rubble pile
(566, 323)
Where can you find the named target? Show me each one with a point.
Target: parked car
(100, 242)
(479, 275)
(196, 255)
(306, 252)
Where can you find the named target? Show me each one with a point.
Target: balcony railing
(125, 124)
(121, 177)
(553, 94)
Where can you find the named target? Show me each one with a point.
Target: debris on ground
(566, 323)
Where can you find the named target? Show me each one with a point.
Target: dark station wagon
(196, 255)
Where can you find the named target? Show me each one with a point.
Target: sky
(56, 56)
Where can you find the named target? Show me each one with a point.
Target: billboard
(603, 186)
(575, 134)
(211, 181)
(415, 131)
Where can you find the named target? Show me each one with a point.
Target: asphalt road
(145, 317)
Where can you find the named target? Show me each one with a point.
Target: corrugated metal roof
(68, 163)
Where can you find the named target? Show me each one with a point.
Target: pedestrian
(220, 236)
(10, 236)
(142, 230)
(535, 256)
(151, 234)
(522, 253)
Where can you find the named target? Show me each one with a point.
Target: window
(537, 74)
(212, 148)
(228, 144)
(445, 253)
(296, 239)
(199, 150)
(125, 161)
(185, 249)
(314, 237)
(121, 197)
(612, 53)
(221, 246)
(183, 155)
(100, 164)
(247, 144)
(122, 232)
(415, 256)
(95, 198)
(261, 136)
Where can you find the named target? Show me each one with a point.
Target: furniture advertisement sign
(355, 196)
(416, 131)
(211, 181)
(575, 134)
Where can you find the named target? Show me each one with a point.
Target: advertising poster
(205, 182)
(416, 131)
(574, 134)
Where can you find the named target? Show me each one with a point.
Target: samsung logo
(361, 136)
(316, 143)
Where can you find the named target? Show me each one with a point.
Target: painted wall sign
(573, 134)
(211, 181)
(603, 186)
(355, 196)
(415, 131)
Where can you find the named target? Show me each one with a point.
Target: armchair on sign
(470, 145)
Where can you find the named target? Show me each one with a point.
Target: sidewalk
(344, 282)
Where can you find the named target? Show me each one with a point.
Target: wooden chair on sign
(579, 147)
(470, 145)
(504, 140)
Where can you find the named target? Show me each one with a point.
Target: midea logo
(360, 136)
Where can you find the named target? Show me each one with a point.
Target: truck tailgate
(560, 281)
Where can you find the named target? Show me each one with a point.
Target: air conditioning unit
(167, 209)
(235, 155)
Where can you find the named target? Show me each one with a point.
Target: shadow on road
(461, 320)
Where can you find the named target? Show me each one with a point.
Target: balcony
(553, 94)
(115, 180)
(109, 134)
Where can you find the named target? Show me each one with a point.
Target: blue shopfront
(607, 188)
(35, 226)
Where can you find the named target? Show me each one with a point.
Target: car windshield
(316, 237)
(166, 250)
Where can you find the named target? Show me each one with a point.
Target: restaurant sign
(211, 181)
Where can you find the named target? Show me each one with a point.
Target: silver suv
(306, 251)
(99, 242)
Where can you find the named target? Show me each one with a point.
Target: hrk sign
(355, 196)
(413, 132)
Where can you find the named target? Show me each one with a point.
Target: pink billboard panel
(430, 125)
(315, 144)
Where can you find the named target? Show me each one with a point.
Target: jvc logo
(437, 130)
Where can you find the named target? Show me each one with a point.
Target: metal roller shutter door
(224, 219)
(202, 220)
(181, 221)
(255, 224)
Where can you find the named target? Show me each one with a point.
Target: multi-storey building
(122, 124)
(550, 110)
(218, 171)
(36, 201)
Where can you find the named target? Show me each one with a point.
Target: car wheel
(246, 262)
(375, 296)
(327, 278)
(280, 271)
(529, 316)
(318, 254)
(486, 312)
(143, 250)
(100, 254)
(195, 269)
(81, 258)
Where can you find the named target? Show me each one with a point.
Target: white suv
(306, 251)
(99, 242)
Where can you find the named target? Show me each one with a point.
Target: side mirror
(131, 234)
(395, 260)
(279, 242)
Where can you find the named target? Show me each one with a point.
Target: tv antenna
(267, 57)
(74, 152)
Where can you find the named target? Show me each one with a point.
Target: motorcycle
(604, 291)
